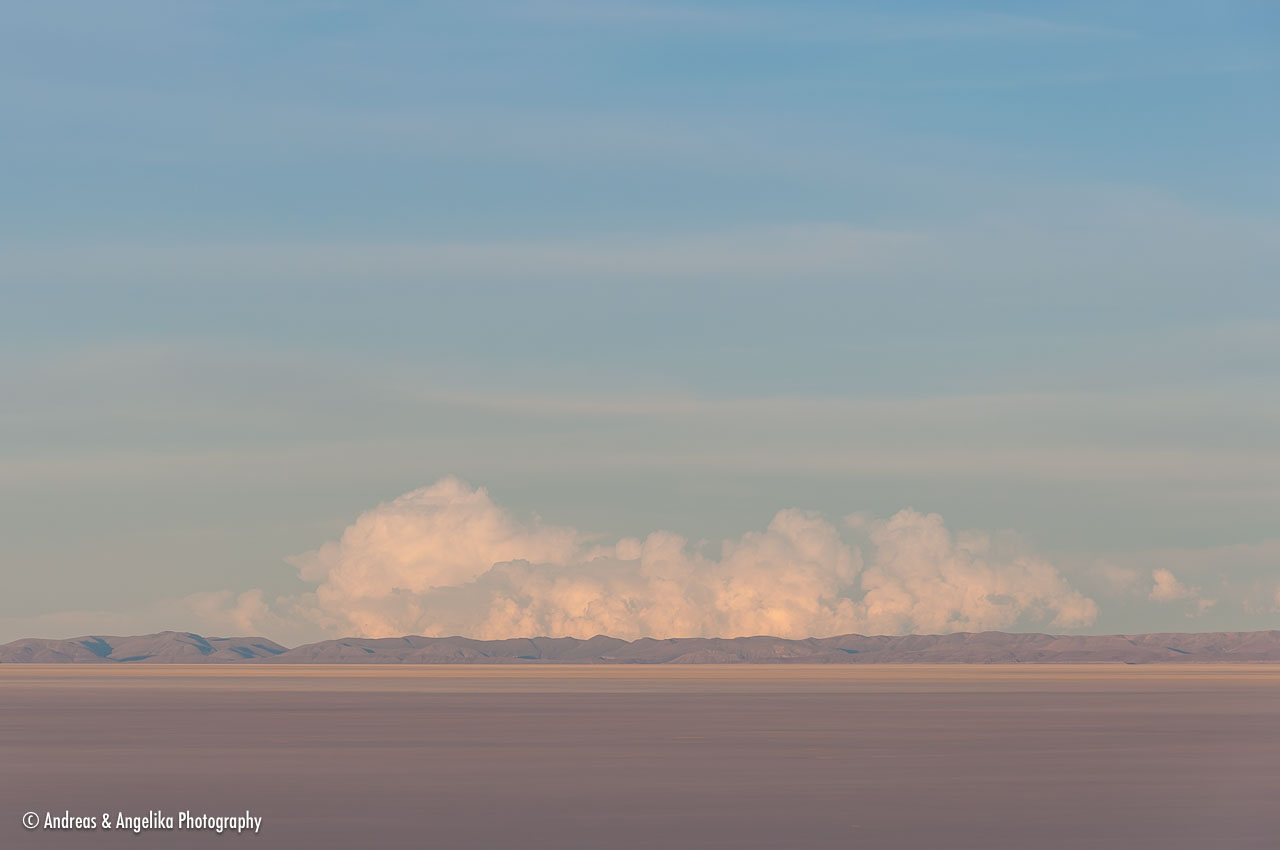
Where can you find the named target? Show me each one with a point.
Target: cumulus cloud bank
(446, 559)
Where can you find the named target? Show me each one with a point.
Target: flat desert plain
(649, 757)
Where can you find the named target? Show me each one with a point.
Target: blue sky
(636, 266)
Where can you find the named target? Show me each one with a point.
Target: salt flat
(649, 756)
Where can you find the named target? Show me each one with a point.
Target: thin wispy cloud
(808, 21)
(183, 412)
(638, 265)
(1133, 242)
(752, 252)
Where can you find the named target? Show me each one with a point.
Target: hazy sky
(983, 299)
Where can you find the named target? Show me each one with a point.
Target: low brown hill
(959, 648)
(165, 647)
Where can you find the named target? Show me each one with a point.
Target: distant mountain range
(961, 648)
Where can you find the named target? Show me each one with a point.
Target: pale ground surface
(650, 757)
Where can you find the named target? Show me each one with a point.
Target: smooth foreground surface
(649, 757)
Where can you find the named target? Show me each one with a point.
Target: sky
(687, 318)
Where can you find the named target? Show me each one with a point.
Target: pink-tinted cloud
(446, 559)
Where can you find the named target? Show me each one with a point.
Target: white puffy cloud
(1167, 587)
(925, 579)
(446, 560)
(377, 579)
